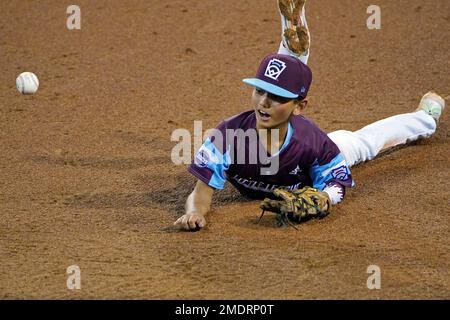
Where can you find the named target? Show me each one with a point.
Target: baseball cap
(282, 75)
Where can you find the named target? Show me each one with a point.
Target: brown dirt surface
(87, 178)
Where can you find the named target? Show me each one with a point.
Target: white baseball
(27, 83)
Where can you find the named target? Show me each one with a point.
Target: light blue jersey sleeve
(335, 171)
(210, 165)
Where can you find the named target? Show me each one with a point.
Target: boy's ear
(301, 106)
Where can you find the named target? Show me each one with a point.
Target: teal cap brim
(271, 88)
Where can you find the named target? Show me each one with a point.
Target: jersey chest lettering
(260, 185)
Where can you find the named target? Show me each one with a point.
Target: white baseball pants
(366, 143)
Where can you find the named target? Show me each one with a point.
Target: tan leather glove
(298, 204)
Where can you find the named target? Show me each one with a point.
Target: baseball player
(312, 168)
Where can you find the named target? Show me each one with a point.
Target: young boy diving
(312, 168)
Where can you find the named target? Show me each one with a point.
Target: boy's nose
(265, 101)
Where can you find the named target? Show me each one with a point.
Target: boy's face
(273, 111)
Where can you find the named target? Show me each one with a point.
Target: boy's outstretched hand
(191, 221)
(197, 205)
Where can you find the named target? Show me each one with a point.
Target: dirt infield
(87, 179)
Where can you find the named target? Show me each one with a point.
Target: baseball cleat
(295, 33)
(433, 104)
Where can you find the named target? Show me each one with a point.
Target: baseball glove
(297, 204)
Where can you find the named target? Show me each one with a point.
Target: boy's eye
(281, 100)
(260, 91)
(278, 99)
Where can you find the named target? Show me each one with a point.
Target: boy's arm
(197, 205)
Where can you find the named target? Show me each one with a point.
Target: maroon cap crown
(282, 75)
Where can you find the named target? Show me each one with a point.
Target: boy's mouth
(263, 115)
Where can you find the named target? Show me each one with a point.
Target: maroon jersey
(307, 157)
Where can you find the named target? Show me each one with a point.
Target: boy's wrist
(192, 212)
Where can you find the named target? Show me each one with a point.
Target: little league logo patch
(202, 159)
(205, 156)
(274, 69)
(340, 173)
